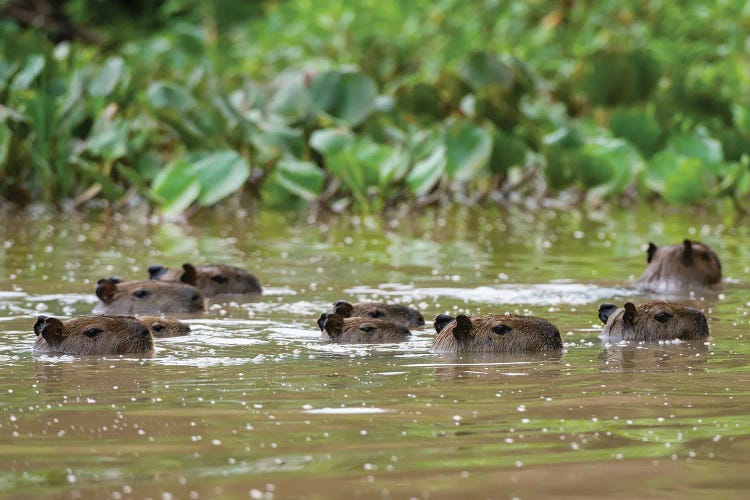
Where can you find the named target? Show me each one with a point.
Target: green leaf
(468, 150)
(426, 173)
(485, 68)
(345, 95)
(5, 136)
(704, 148)
(33, 68)
(170, 96)
(331, 141)
(106, 79)
(639, 128)
(507, 151)
(302, 178)
(219, 175)
(690, 183)
(660, 168)
(111, 142)
(177, 187)
(291, 100)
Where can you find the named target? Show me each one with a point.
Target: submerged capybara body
(148, 297)
(396, 313)
(100, 335)
(652, 321)
(495, 333)
(677, 268)
(336, 328)
(211, 279)
(164, 327)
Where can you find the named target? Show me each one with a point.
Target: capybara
(92, 335)
(677, 268)
(395, 313)
(211, 279)
(336, 328)
(147, 297)
(495, 333)
(164, 327)
(652, 321)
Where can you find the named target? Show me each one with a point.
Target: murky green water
(254, 404)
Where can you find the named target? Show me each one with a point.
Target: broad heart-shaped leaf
(219, 175)
(277, 140)
(704, 148)
(106, 79)
(303, 178)
(610, 165)
(660, 167)
(639, 128)
(690, 183)
(468, 150)
(345, 95)
(177, 187)
(426, 173)
(330, 141)
(507, 151)
(291, 100)
(168, 95)
(485, 68)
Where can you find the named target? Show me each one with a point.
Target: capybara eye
(141, 294)
(195, 297)
(157, 327)
(501, 329)
(662, 317)
(376, 314)
(220, 279)
(367, 329)
(706, 257)
(92, 332)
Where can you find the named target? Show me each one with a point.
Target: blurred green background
(364, 105)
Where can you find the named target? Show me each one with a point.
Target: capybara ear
(52, 331)
(333, 325)
(441, 320)
(40, 321)
(462, 331)
(651, 252)
(190, 276)
(106, 289)
(605, 311)
(343, 308)
(687, 253)
(156, 272)
(629, 317)
(322, 322)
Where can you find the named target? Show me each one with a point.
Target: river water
(254, 405)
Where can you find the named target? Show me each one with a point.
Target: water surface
(253, 404)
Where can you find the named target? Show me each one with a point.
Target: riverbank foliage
(367, 104)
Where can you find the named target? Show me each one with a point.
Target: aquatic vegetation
(190, 104)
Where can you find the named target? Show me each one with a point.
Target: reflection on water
(253, 403)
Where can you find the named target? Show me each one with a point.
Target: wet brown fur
(211, 279)
(98, 335)
(396, 313)
(680, 267)
(148, 297)
(335, 328)
(652, 321)
(495, 333)
(164, 327)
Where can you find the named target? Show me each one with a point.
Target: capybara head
(164, 327)
(336, 328)
(677, 267)
(395, 313)
(652, 321)
(211, 279)
(92, 335)
(495, 333)
(148, 297)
